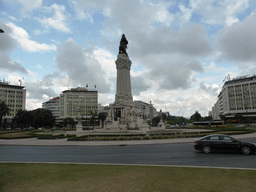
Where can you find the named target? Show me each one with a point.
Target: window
(214, 138)
(225, 138)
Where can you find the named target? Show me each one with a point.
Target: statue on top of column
(123, 45)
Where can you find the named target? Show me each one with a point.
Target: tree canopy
(4, 110)
(195, 117)
(69, 121)
(35, 118)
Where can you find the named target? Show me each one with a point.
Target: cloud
(214, 89)
(58, 21)
(168, 55)
(37, 90)
(27, 5)
(172, 71)
(81, 66)
(7, 44)
(138, 85)
(238, 41)
(180, 103)
(86, 9)
(223, 12)
(22, 37)
(9, 65)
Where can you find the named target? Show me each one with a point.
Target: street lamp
(204, 111)
(1, 31)
(246, 104)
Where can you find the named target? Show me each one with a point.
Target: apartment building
(78, 102)
(14, 96)
(238, 96)
(54, 106)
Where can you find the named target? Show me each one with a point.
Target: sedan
(223, 142)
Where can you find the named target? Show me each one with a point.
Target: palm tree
(4, 110)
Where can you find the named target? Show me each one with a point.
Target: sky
(181, 50)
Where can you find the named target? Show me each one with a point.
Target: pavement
(60, 142)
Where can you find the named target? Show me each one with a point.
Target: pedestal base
(79, 127)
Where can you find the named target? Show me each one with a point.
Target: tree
(69, 121)
(42, 118)
(4, 110)
(195, 117)
(93, 117)
(238, 117)
(23, 119)
(102, 117)
(155, 121)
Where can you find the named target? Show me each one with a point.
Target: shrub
(70, 135)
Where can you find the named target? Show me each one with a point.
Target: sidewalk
(60, 142)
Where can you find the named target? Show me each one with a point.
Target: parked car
(240, 125)
(223, 142)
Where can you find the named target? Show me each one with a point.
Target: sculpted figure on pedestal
(123, 45)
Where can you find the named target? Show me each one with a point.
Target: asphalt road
(158, 154)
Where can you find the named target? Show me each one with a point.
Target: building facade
(238, 96)
(78, 102)
(146, 108)
(54, 106)
(14, 96)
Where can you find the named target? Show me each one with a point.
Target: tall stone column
(123, 82)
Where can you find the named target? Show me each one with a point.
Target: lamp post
(246, 105)
(204, 111)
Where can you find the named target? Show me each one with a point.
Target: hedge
(50, 136)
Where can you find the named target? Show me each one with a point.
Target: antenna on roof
(227, 78)
(20, 80)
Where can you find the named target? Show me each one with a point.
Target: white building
(146, 108)
(14, 96)
(80, 98)
(54, 106)
(238, 96)
(100, 108)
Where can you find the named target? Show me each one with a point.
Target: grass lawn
(80, 177)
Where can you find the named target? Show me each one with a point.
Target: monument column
(123, 82)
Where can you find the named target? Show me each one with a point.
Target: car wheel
(206, 149)
(246, 150)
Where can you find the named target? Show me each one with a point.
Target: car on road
(223, 142)
(240, 125)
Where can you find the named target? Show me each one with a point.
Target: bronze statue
(123, 45)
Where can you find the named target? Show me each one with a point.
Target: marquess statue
(123, 45)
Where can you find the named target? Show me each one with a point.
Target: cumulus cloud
(59, 19)
(27, 5)
(37, 90)
(22, 37)
(80, 65)
(9, 65)
(138, 85)
(214, 89)
(223, 12)
(172, 71)
(238, 41)
(7, 44)
(169, 55)
(6, 41)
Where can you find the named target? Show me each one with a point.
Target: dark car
(223, 142)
